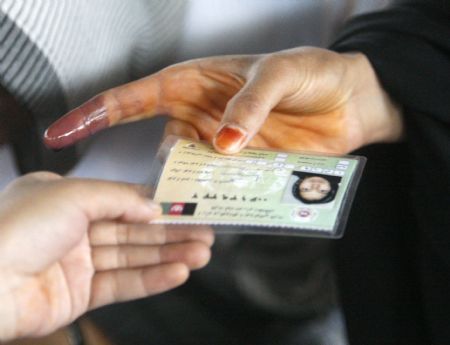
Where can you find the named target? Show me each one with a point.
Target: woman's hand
(304, 98)
(70, 245)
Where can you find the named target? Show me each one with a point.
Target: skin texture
(70, 245)
(305, 98)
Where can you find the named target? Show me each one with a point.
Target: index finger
(194, 91)
(125, 103)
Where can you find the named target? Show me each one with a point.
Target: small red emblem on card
(176, 208)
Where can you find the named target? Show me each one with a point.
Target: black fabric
(394, 262)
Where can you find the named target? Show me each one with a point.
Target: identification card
(255, 191)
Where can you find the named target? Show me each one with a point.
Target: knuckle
(122, 233)
(278, 64)
(123, 258)
(248, 102)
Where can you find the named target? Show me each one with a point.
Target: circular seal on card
(304, 214)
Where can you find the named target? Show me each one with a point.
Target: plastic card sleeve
(257, 191)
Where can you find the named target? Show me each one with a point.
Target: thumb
(246, 112)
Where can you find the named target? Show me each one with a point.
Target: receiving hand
(71, 245)
(305, 98)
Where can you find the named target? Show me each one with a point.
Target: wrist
(379, 116)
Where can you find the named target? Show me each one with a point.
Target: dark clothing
(250, 293)
(394, 261)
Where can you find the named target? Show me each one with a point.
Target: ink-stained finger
(126, 103)
(247, 111)
(196, 92)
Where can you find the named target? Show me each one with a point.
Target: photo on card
(313, 189)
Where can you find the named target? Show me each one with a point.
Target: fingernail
(230, 138)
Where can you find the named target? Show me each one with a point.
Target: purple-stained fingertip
(76, 125)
